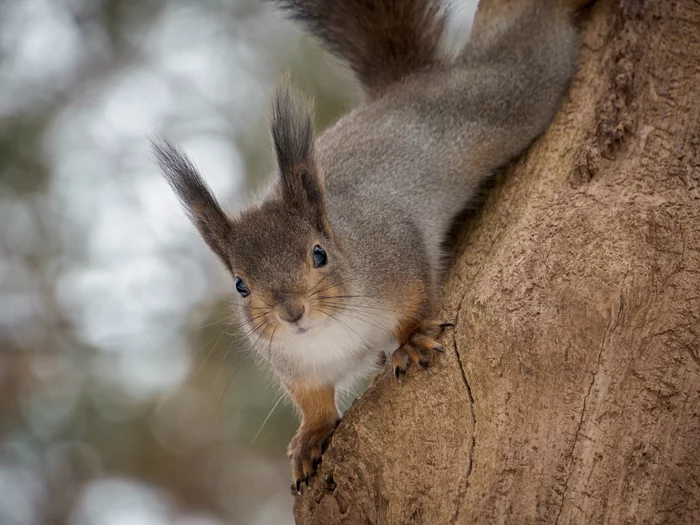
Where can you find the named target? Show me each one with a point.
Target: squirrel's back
(421, 146)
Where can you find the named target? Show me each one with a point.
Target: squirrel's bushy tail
(382, 40)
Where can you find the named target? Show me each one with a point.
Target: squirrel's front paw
(420, 342)
(306, 448)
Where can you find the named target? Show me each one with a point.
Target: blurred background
(126, 394)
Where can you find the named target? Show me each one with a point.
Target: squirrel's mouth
(301, 330)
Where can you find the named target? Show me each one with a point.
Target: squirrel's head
(288, 269)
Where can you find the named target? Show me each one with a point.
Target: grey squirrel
(339, 265)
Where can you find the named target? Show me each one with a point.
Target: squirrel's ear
(197, 199)
(292, 128)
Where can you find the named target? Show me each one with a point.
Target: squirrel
(338, 267)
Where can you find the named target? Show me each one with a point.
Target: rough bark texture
(570, 392)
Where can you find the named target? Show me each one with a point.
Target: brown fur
(414, 331)
(414, 306)
(317, 294)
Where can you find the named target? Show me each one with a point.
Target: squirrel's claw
(306, 449)
(404, 356)
(399, 363)
(415, 350)
(434, 328)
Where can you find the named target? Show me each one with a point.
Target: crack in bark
(472, 447)
(578, 432)
(611, 327)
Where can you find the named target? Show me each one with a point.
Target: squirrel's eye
(320, 257)
(241, 288)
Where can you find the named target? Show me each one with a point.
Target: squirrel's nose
(291, 312)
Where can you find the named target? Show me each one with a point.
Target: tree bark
(570, 390)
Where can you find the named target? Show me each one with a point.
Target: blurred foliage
(126, 394)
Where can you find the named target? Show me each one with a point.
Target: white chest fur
(341, 348)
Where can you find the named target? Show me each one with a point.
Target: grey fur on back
(407, 163)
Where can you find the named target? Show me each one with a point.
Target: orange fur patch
(316, 403)
(413, 308)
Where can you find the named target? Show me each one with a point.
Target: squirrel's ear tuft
(292, 128)
(196, 197)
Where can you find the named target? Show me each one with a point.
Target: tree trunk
(570, 390)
